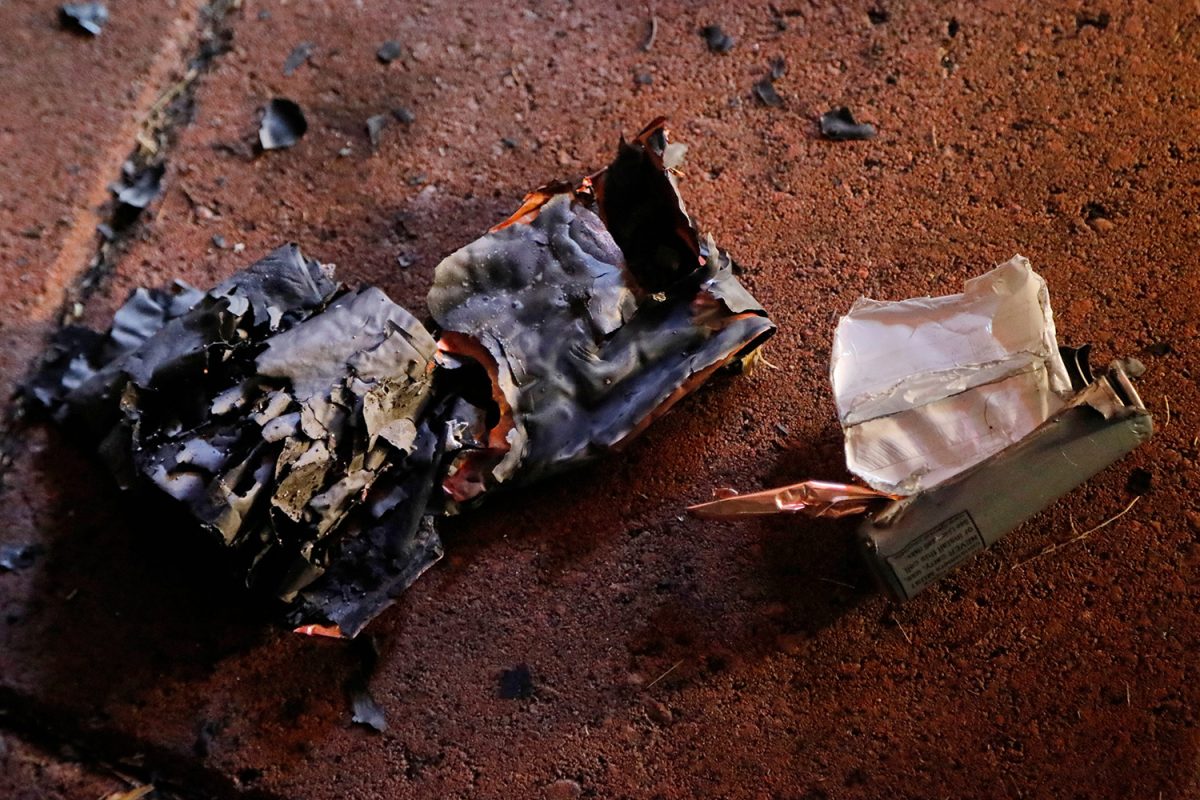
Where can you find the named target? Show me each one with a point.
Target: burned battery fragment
(592, 310)
(270, 407)
(965, 417)
(315, 432)
(918, 539)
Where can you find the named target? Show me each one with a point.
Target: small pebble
(563, 790)
(659, 713)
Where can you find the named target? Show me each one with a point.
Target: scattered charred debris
(283, 124)
(964, 417)
(1085, 19)
(86, 18)
(318, 432)
(1160, 349)
(839, 125)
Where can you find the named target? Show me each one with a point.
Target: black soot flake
(89, 18)
(375, 126)
(516, 683)
(388, 52)
(1098, 21)
(283, 124)
(14, 557)
(718, 41)
(297, 58)
(1140, 481)
(365, 709)
(764, 90)
(138, 186)
(367, 712)
(839, 125)
(1160, 349)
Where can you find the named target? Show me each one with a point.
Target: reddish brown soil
(673, 657)
(29, 773)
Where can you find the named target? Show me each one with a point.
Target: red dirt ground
(671, 657)
(27, 773)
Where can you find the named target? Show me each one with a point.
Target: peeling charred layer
(468, 474)
(641, 208)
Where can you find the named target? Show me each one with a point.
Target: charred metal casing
(913, 542)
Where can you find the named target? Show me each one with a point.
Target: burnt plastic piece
(288, 418)
(839, 125)
(283, 124)
(592, 310)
